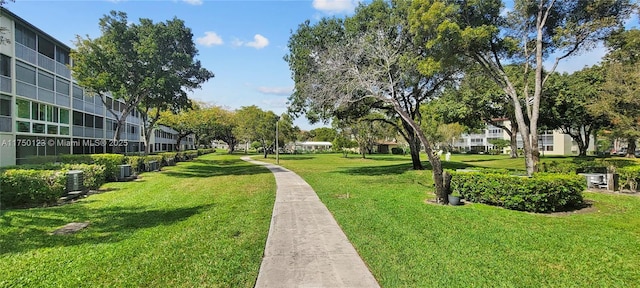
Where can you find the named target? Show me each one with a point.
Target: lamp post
(277, 148)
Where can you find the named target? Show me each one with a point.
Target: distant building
(312, 146)
(550, 142)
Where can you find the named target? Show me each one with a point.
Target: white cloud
(210, 39)
(284, 91)
(335, 6)
(193, 2)
(258, 42)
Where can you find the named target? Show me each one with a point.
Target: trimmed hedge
(109, 161)
(31, 187)
(93, 174)
(397, 151)
(540, 193)
(586, 165)
(629, 177)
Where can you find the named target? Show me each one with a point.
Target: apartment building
(43, 112)
(552, 142)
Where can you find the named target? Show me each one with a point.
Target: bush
(31, 187)
(397, 151)
(136, 162)
(540, 193)
(629, 177)
(169, 158)
(110, 163)
(93, 174)
(190, 154)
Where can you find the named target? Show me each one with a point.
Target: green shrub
(190, 154)
(93, 174)
(110, 163)
(397, 151)
(168, 158)
(75, 158)
(629, 177)
(136, 162)
(39, 159)
(31, 187)
(540, 193)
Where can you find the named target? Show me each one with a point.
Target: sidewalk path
(305, 246)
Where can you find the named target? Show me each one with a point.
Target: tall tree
(566, 105)
(226, 122)
(146, 65)
(619, 97)
(389, 18)
(324, 134)
(370, 60)
(257, 125)
(477, 31)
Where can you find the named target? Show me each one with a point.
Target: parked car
(622, 152)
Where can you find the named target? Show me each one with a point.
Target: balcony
(5, 84)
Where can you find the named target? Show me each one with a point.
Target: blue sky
(242, 42)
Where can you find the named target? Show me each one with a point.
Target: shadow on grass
(211, 168)
(24, 230)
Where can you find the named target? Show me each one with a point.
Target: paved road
(305, 246)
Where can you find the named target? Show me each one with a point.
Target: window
(99, 122)
(78, 118)
(45, 80)
(77, 92)
(64, 116)
(5, 105)
(34, 111)
(52, 129)
(62, 86)
(25, 73)
(49, 113)
(23, 107)
(46, 47)
(88, 120)
(25, 36)
(62, 56)
(23, 126)
(64, 130)
(5, 65)
(38, 128)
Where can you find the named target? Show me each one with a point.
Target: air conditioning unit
(154, 166)
(125, 171)
(75, 181)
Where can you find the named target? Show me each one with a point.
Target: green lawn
(202, 223)
(408, 243)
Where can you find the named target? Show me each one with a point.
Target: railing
(62, 99)
(46, 62)
(46, 96)
(5, 84)
(78, 131)
(63, 70)
(6, 124)
(25, 53)
(26, 90)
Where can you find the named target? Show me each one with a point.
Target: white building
(43, 112)
(550, 142)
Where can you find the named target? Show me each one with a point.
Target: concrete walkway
(305, 246)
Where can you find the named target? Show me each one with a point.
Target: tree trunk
(414, 150)
(513, 142)
(441, 193)
(631, 148)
